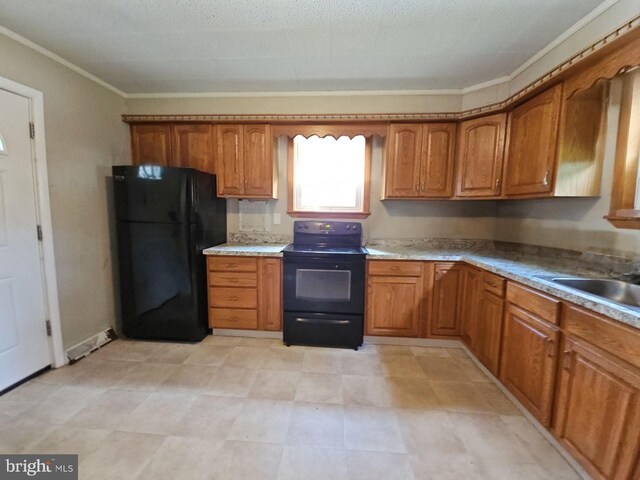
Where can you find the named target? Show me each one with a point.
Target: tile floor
(243, 408)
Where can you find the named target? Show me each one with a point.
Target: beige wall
(299, 104)
(84, 138)
(401, 219)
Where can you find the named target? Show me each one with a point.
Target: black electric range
(324, 282)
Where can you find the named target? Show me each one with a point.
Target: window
(329, 176)
(3, 146)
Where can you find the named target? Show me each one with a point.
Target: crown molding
(57, 58)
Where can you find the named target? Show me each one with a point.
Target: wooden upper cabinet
(419, 161)
(529, 359)
(447, 288)
(402, 163)
(151, 144)
(598, 411)
(480, 156)
(193, 146)
(532, 145)
(437, 160)
(258, 161)
(230, 159)
(245, 161)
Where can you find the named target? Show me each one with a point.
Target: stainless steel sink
(617, 291)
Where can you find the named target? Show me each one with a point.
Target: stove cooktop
(324, 250)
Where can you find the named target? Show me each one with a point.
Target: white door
(24, 348)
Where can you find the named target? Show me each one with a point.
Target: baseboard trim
(90, 345)
(227, 332)
(368, 340)
(413, 342)
(537, 425)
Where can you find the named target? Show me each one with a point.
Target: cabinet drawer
(541, 305)
(233, 279)
(493, 283)
(233, 318)
(232, 264)
(233, 297)
(395, 268)
(609, 335)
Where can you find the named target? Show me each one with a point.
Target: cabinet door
(529, 359)
(151, 144)
(437, 159)
(598, 410)
(270, 294)
(193, 146)
(446, 299)
(489, 331)
(480, 156)
(402, 165)
(229, 160)
(258, 161)
(532, 145)
(393, 306)
(469, 312)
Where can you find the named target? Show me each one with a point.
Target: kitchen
(476, 332)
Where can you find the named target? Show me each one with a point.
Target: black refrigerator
(165, 217)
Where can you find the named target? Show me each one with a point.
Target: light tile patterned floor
(243, 408)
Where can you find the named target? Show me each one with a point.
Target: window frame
(366, 190)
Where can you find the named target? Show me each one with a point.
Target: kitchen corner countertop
(258, 250)
(523, 268)
(520, 267)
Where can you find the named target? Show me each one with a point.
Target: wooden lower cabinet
(395, 295)
(470, 298)
(486, 345)
(245, 292)
(270, 294)
(598, 410)
(529, 360)
(447, 289)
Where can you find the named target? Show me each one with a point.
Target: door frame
(43, 212)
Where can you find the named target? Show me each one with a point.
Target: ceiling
(173, 46)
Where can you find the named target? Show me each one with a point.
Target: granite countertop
(247, 250)
(525, 268)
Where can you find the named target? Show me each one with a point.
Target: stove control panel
(327, 228)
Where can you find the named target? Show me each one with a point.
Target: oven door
(324, 285)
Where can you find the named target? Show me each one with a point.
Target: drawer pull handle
(232, 264)
(566, 361)
(549, 342)
(234, 298)
(493, 285)
(395, 267)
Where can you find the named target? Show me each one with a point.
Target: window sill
(298, 214)
(625, 219)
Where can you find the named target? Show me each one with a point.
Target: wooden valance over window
(334, 130)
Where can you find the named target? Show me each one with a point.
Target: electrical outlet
(276, 219)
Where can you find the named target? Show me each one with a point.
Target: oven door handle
(322, 321)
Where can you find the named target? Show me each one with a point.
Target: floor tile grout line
(542, 430)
